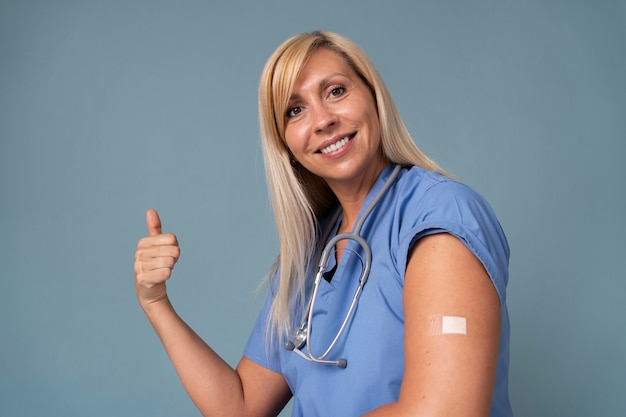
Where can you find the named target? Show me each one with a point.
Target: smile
(337, 145)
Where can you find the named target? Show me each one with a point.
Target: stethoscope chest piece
(299, 336)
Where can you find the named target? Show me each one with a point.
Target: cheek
(369, 119)
(293, 139)
(376, 128)
(374, 122)
(288, 139)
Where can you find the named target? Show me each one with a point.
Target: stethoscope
(302, 332)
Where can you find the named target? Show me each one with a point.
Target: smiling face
(331, 122)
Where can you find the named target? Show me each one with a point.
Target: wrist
(155, 305)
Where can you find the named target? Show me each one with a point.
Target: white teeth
(336, 145)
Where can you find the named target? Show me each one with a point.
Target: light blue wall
(110, 107)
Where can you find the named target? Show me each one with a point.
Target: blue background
(108, 108)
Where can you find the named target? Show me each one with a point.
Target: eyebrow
(325, 80)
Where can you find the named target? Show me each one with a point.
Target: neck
(351, 196)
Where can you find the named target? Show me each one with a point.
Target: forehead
(322, 63)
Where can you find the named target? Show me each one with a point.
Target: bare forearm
(213, 385)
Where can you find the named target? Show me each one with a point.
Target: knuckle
(164, 274)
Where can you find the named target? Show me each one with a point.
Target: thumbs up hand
(155, 258)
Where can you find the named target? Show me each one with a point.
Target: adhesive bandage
(439, 325)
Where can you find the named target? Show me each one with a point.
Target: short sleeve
(259, 347)
(448, 206)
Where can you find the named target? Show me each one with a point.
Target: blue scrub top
(419, 203)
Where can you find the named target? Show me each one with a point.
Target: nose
(323, 117)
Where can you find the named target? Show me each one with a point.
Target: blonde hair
(300, 199)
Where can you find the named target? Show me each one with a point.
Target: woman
(427, 334)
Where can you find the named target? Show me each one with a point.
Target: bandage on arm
(452, 325)
(439, 324)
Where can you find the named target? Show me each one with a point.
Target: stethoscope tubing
(329, 248)
(367, 263)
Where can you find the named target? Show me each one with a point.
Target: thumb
(154, 222)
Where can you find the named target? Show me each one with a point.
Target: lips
(337, 145)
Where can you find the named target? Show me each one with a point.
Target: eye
(337, 91)
(293, 111)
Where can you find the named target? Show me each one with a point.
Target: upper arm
(448, 374)
(265, 392)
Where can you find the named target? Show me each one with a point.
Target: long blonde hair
(300, 199)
